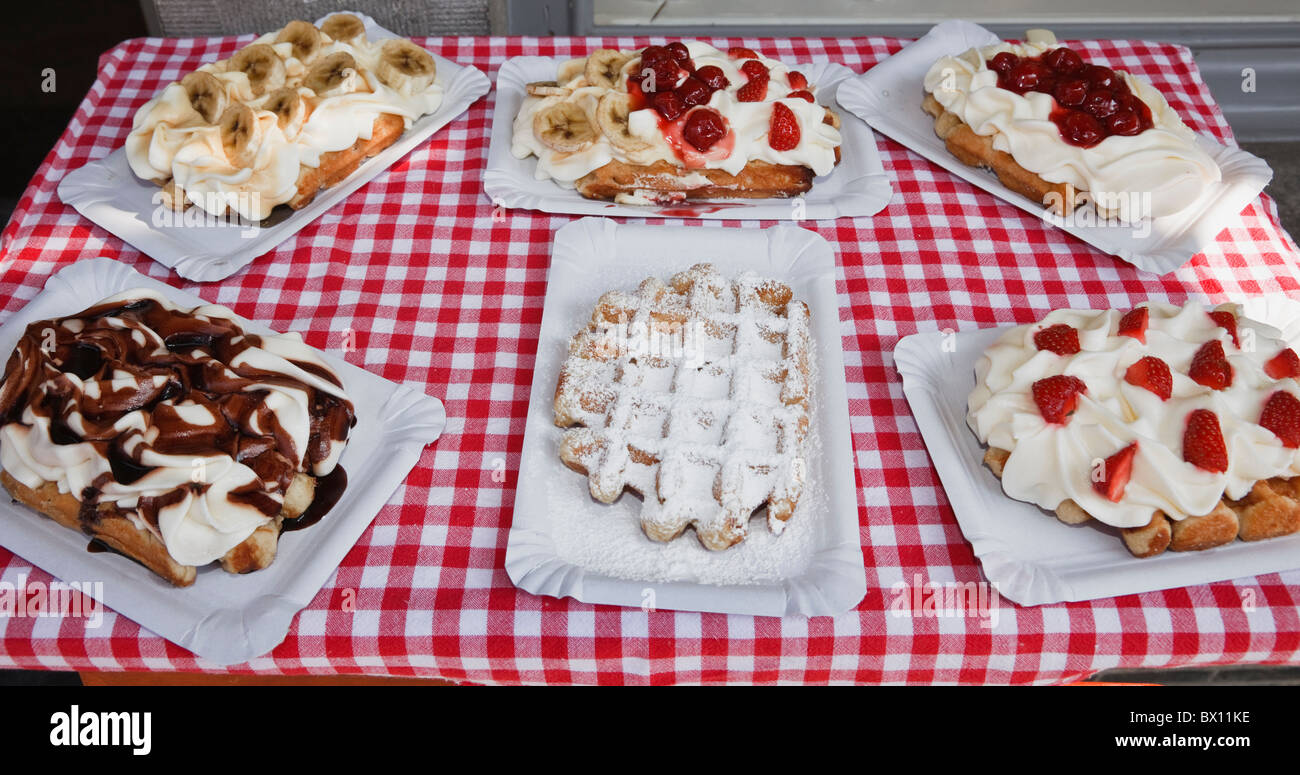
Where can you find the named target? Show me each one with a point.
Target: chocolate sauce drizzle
(173, 356)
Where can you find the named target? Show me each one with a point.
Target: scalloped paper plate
(858, 186)
(107, 192)
(888, 97)
(564, 543)
(228, 618)
(1030, 556)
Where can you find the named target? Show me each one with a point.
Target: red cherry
(1082, 129)
(1101, 77)
(1063, 60)
(1071, 93)
(1125, 122)
(1026, 77)
(704, 128)
(1100, 103)
(654, 54)
(693, 91)
(713, 76)
(669, 105)
(1002, 63)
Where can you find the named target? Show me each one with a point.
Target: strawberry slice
(803, 94)
(1057, 396)
(1060, 339)
(755, 90)
(797, 80)
(755, 69)
(740, 52)
(1227, 320)
(1282, 416)
(783, 134)
(1152, 374)
(1284, 364)
(1115, 473)
(1203, 444)
(1134, 324)
(1210, 366)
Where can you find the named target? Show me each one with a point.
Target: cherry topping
(1101, 77)
(1002, 63)
(1027, 76)
(1071, 93)
(1124, 122)
(713, 76)
(669, 105)
(1100, 103)
(694, 92)
(1063, 60)
(679, 52)
(1082, 129)
(704, 128)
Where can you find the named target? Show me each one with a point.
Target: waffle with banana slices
(695, 395)
(683, 121)
(292, 113)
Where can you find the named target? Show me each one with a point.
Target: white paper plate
(563, 543)
(1032, 557)
(858, 186)
(889, 95)
(227, 618)
(108, 192)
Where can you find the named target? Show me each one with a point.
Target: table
(440, 293)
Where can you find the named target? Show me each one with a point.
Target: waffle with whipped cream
(295, 111)
(693, 394)
(1180, 426)
(1062, 131)
(681, 121)
(172, 436)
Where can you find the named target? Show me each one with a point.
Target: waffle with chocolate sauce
(172, 436)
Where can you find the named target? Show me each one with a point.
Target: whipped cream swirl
(1050, 463)
(190, 427)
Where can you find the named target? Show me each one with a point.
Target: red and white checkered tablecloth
(442, 295)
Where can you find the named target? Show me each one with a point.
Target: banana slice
(405, 67)
(237, 126)
(611, 115)
(604, 66)
(548, 89)
(264, 68)
(570, 70)
(289, 108)
(304, 36)
(330, 73)
(345, 28)
(563, 127)
(207, 94)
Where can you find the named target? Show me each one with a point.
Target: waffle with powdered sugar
(695, 396)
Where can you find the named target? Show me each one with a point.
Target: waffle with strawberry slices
(675, 122)
(1179, 426)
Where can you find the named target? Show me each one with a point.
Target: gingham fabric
(441, 294)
